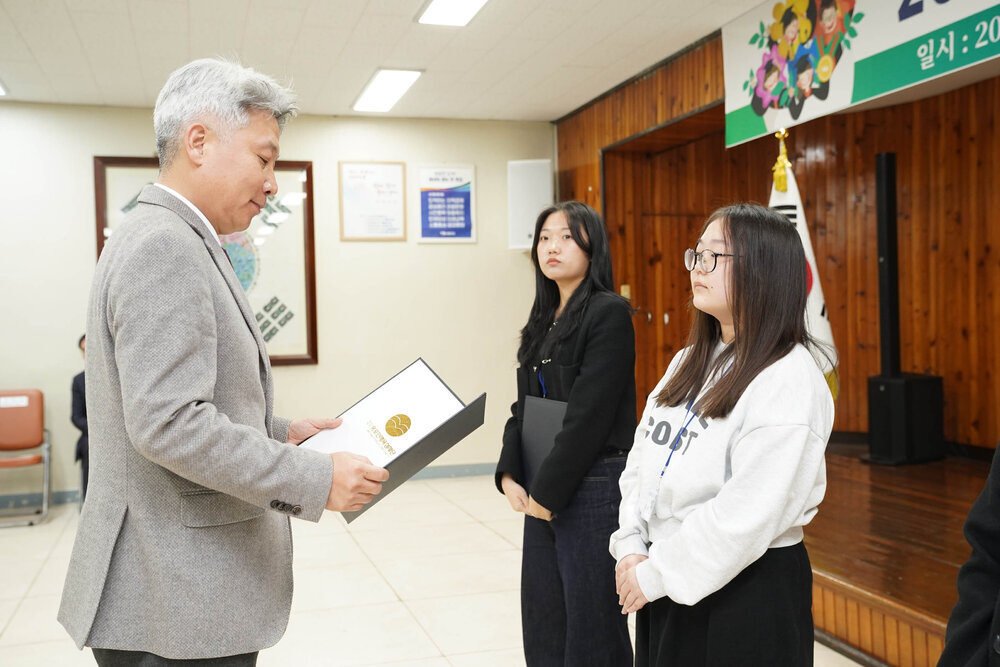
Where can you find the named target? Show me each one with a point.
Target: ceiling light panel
(451, 12)
(385, 89)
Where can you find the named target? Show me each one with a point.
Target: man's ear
(195, 141)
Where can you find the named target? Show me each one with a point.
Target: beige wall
(379, 305)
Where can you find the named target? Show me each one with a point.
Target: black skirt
(762, 617)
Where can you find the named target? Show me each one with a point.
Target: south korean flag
(789, 203)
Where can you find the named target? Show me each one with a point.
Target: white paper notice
(392, 418)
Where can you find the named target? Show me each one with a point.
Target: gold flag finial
(782, 163)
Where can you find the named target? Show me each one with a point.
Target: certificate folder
(403, 425)
(543, 419)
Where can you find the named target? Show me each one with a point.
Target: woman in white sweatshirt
(727, 464)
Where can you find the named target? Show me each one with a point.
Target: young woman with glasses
(577, 347)
(728, 462)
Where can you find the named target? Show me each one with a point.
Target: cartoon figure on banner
(771, 89)
(792, 27)
(806, 84)
(797, 64)
(832, 34)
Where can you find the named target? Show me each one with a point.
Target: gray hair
(219, 90)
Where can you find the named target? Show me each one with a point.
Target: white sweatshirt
(734, 487)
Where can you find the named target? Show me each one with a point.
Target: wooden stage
(885, 548)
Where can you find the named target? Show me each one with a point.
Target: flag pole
(782, 163)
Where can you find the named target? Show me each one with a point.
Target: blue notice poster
(446, 204)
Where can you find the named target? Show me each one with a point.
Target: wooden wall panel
(947, 199)
(680, 86)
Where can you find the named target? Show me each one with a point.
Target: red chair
(22, 427)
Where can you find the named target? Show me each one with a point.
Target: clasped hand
(520, 501)
(630, 596)
(356, 480)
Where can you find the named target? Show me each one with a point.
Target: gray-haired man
(184, 547)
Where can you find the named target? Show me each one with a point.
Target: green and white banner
(789, 62)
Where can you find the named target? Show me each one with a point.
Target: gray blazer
(184, 545)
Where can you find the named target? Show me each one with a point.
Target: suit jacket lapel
(160, 197)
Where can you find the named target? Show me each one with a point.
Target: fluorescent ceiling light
(451, 12)
(385, 89)
(3, 91)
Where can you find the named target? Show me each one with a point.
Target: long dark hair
(767, 293)
(587, 229)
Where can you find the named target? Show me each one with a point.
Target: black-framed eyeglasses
(706, 259)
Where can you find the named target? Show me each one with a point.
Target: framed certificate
(372, 201)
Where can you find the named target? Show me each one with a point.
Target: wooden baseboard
(879, 627)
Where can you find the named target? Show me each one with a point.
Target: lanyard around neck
(676, 443)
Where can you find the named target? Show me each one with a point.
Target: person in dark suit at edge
(79, 417)
(183, 550)
(973, 633)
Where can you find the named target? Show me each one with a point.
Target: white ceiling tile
(109, 6)
(78, 89)
(517, 59)
(12, 47)
(149, 17)
(546, 23)
(498, 12)
(407, 8)
(106, 38)
(343, 14)
(373, 40)
(456, 60)
(316, 50)
(26, 81)
(216, 27)
(28, 91)
(419, 45)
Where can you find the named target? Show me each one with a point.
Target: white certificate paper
(393, 418)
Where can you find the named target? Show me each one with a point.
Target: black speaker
(905, 410)
(905, 418)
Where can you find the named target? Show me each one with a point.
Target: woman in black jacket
(578, 346)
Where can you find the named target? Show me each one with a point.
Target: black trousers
(108, 657)
(762, 617)
(569, 609)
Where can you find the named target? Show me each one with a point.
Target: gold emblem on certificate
(398, 425)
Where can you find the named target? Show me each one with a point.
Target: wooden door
(661, 294)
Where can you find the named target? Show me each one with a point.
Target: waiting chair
(22, 427)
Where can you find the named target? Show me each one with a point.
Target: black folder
(543, 419)
(423, 452)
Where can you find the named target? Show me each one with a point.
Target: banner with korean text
(789, 62)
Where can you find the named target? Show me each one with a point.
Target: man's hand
(355, 482)
(630, 596)
(300, 429)
(537, 511)
(516, 495)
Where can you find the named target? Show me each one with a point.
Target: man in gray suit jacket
(184, 545)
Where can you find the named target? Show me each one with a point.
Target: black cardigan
(594, 372)
(973, 634)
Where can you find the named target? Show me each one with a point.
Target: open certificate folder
(402, 425)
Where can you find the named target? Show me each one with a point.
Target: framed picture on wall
(274, 258)
(447, 204)
(372, 201)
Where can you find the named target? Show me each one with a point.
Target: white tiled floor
(427, 578)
